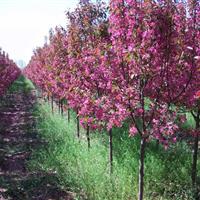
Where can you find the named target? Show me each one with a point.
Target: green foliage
(86, 172)
(190, 123)
(21, 84)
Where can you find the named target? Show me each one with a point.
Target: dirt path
(18, 138)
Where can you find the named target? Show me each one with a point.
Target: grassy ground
(18, 139)
(87, 172)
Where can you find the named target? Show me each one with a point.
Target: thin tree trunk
(141, 169)
(88, 136)
(111, 150)
(59, 107)
(62, 111)
(48, 99)
(195, 152)
(78, 124)
(157, 144)
(68, 115)
(52, 108)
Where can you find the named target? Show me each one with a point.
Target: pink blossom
(133, 131)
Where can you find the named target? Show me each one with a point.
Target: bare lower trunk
(52, 108)
(88, 136)
(111, 150)
(157, 144)
(62, 111)
(78, 124)
(141, 169)
(59, 107)
(68, 115)
(48, 99)
(195, 153)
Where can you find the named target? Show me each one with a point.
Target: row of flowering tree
(135, 61)
(9, 72)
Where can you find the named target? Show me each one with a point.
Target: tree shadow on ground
(18, 138)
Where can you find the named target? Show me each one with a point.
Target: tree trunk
(62, 111)
(52, 109)
(111, 150)
(78, 124)
(88, 136)
(157, 144)
(68, 115)
(48, 99)
(195, 153)
(59, 107)
(141, 169)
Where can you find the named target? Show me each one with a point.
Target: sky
(25, 23)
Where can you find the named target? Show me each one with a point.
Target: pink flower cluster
(131, 63)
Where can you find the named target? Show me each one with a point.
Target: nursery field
(41, 157)
(107, 108)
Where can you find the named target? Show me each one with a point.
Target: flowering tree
(85, 38)
(190, 97)
(151, 59)
(9, 72)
